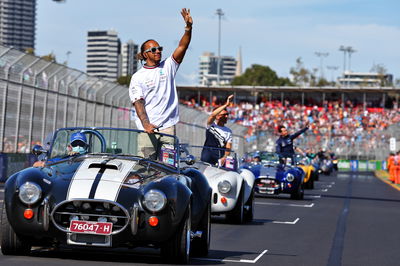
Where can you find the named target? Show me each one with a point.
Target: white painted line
(328, 186)
(313, 196)
(1, 200)
(278, 222)
(323, 182)
(1, 190)
(284, 204)
(240, 261)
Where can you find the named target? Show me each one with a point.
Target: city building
(17, 23)
(103, 54)
(362, 79)
(208, 69)
(129, 63)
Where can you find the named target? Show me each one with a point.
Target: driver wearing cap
(78, 144)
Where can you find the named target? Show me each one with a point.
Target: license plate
(86, 227)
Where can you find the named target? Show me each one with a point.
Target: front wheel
(200, 246)
(249, 208)
(177, 249)
(11, 244)
(237, 214)
(298, 194)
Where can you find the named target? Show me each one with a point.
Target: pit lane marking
(323, 182)
(240, 261)
(280, 222)
(283, 204)
(313, 196)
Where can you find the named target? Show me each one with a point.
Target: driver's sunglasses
(154, 49)
(78, 143)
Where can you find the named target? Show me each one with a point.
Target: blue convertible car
(273, 177)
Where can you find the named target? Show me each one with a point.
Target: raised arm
(214, 114)
(180, 51)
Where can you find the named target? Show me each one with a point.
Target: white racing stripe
(109, 184)
(112, 180)
(82, 182)
(240, 261)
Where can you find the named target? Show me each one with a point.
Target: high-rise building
(208, 69)
(103, 54)
(129, 63)
(17, 23)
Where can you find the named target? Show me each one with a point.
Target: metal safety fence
(38, 96)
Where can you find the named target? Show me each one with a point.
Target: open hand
(187, 17)
(229, 100)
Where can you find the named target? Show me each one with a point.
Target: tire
(249, 213)
(237, 214)
(298, 194)
(11, 244)
(177, 249)
(200, 246)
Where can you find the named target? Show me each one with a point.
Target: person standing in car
(153, 93)
(152, 89)
(284, 144)
(218, 141)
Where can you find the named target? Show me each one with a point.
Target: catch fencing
(38, 96)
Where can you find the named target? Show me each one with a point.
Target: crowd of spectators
(333, 124)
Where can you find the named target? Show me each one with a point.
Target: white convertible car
(232, 188)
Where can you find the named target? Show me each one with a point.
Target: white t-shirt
(156, 85)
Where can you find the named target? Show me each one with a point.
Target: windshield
(159, 147)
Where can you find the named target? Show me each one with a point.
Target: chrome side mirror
(190, 160)
(37, 150)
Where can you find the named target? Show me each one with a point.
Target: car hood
(97, 178)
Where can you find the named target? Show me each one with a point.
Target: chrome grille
(90, 210)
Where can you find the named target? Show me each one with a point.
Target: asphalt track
(348, 219)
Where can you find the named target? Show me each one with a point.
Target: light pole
(219, 13)
(68, 53)
(321, 55)
(343, 49)
(350, 50)
(332, 69)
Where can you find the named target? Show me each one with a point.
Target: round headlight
(224, 186)
(154, 200)
(29, 193)
(289, 177)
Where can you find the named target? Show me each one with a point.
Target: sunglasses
(224, 114)
(154, 49)
(78, 143)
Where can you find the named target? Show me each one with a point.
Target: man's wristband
(188, 28)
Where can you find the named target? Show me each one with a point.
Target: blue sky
(272, 33)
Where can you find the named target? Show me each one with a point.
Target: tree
(382, 71)
(124, 80)
(301, 76)
(258, 75)
(51, 57)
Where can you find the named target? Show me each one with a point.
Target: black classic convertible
(116, 191)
